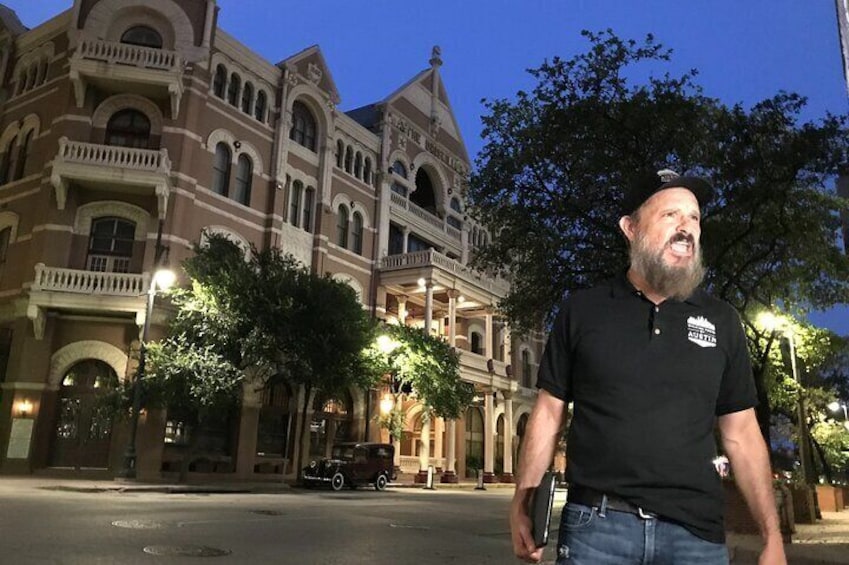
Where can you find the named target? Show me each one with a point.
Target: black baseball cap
(650, 183)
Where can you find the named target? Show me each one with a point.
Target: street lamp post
(163, 278)
(778, 323)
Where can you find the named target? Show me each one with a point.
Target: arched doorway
(474, 440)
(520, 432)
(499, 446)
(83, 429)
(331, 423)
(273, 440)
(424, 196)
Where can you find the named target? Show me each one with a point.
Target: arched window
(233, 89)
(143, 36)
(349, 160)
(274, 421)
(244, 174)
(358, 165)
(303, 126)
(23, 154)
(110, 245)
(6, 162)
(424, 196)
(5, 239)
(295, 203)
(342, 226)
(221, 169)
(128, 128)
(455, 205)
(367, 171)
(259, 109)
(340, 154)
(357, 234)
(399, 169)
(248, 98)
(309, 202)
(477, 343)
(219, 81)
(526, 368)
(474, 440)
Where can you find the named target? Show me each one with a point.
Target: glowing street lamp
(835, 406)
(162, 279)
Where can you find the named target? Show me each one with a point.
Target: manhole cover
(267, 512)
(138, 524)
(186, 550)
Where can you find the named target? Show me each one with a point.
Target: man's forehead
(671, 196)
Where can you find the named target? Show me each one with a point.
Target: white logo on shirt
(701, 332)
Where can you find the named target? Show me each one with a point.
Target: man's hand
(520, 529)
(773, 552)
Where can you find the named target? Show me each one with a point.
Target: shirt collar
(621, 287)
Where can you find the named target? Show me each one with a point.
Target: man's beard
(666, 280)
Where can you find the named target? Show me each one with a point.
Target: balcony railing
(131, 55)
(82, 153)
(89, 282)
(400, 202)
(431, 258)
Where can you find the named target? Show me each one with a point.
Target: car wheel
(337, 481)
(380, 482)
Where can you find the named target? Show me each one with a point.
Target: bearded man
(653, 364)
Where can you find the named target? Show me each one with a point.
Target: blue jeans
(600, 536)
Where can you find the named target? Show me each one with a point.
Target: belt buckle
(643, 514)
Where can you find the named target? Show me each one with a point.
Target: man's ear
(626, 224)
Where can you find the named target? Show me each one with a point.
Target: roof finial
(436, 57)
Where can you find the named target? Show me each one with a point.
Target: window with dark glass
(23, 155)
(5, 239)
(295, 203)
(342, 227)
(399, 169)
(219, 82)
(454, 222)
(221, 169)
(340, 154)
(142, 36)
(358, 165)
(244, 174)
(309, 200)
(259, 108)
(110, 246)
(5, 351)
(396, 240)
(233, 89)
(247, 98)
(6, 162)
(274, 421)
(415, 243)
(128, 128)
(526, 368)
(349, 160)
(357, 234)
(367, 171)
(477, 343)
(303, 126)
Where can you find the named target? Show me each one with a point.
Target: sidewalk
(825, 542)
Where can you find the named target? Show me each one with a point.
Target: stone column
(438, 453)
(507, 475)
(402, 309)
(452, 316)
(428, 306)
(487, 340)
(488, 436)
(424, 450)
(449, 475)
(406, 239)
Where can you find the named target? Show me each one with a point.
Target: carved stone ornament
(314, 73)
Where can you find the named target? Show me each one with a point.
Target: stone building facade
(130, 129)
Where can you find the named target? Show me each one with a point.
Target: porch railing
(83, 153)
(131, 55)
(433, 258)
(89, 282)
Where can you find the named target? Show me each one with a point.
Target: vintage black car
(353, 464)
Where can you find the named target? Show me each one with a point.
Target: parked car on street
(353, 464)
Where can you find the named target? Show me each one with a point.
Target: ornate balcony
(119, 67)
(432, 264)
(138, 171)
(76, 290)
(420, 219)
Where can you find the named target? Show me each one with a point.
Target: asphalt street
(41, 526)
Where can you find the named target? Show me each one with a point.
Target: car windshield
(343, 452)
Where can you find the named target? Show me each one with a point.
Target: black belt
(591, 497)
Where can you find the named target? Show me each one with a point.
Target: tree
(245, 320)
(423, 365)
(557, 160)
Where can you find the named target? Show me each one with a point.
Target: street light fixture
(775, 323)
(835, 406)
(163, 279)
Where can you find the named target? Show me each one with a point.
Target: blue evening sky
(745, 51)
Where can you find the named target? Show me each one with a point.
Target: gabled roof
(301, 60)
(9, 19)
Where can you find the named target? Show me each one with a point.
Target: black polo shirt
(648, 382)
